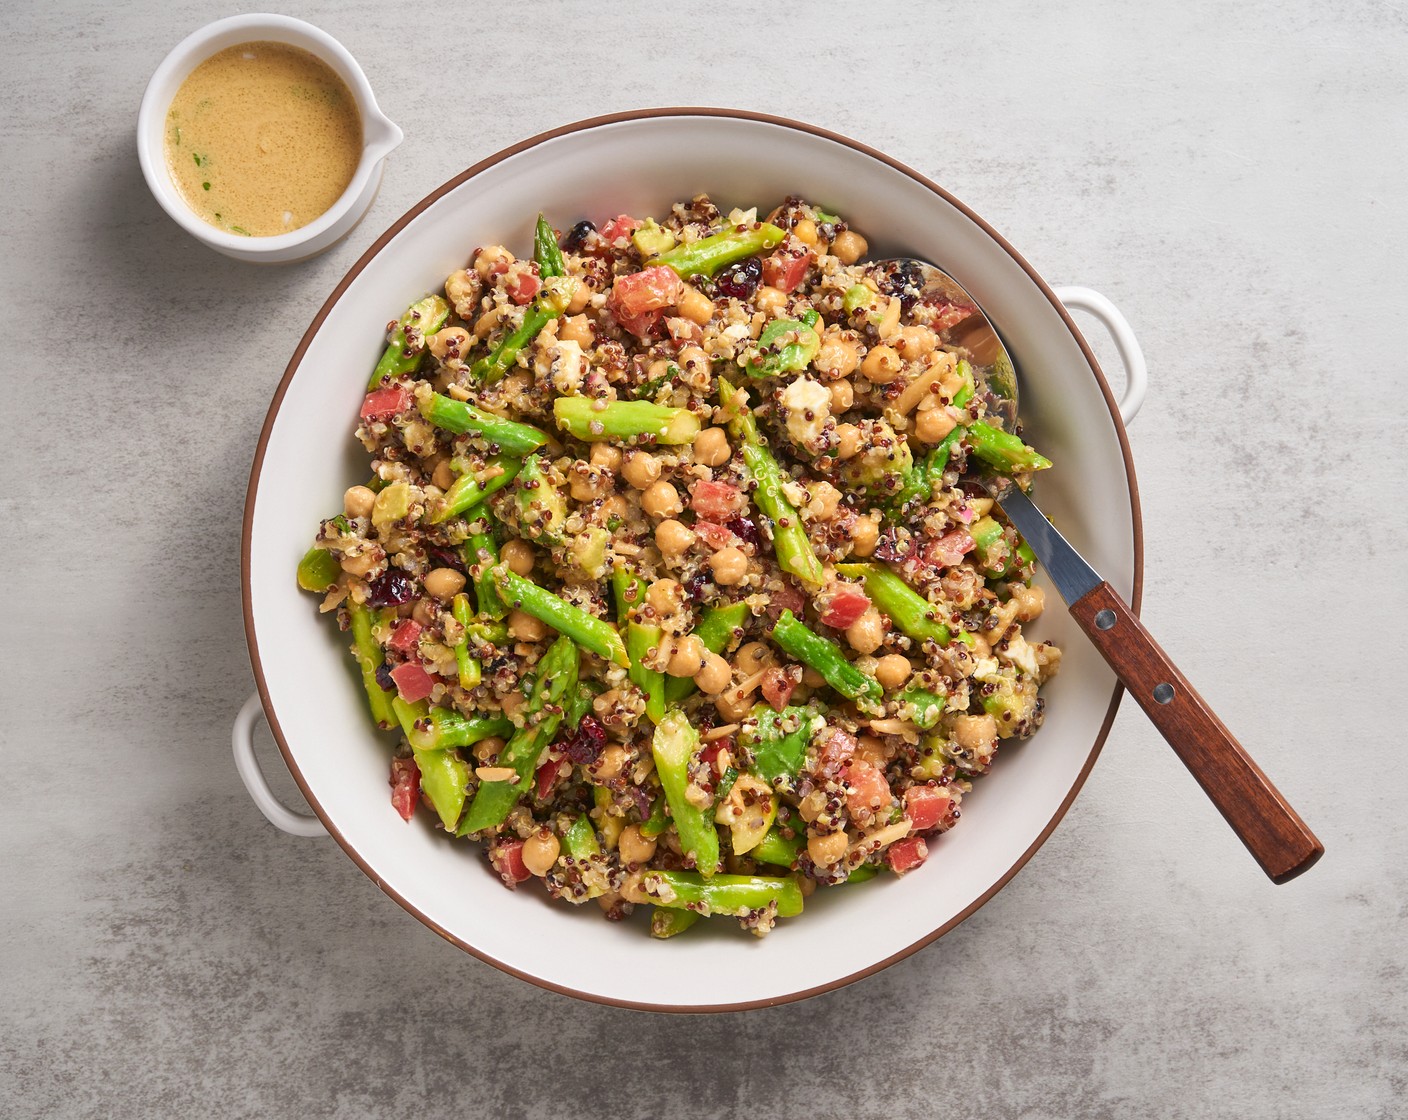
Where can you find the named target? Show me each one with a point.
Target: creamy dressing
(262, 138)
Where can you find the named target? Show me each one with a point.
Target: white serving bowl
(640, 163)
(379, 137)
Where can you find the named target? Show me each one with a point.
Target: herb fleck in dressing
(262, 138)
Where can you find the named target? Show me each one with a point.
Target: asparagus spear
(587, 630)
(1003, 451)
(789, 538)
(778, 752)
(470, 671)
(640, 640)
(579, 840)
(547, 252)
(554, 680)
(444, 778)
(595, 420)
(481, 556)
(432, 729)
(908, 610)
(776, 849)
(674, 744)
(707, 255)
(369, 657)
(470, 489)
(501, 359)
(734, 895)
(826, 658)
(511, 437)
(403, 353)
(715, 629)
(666, 922)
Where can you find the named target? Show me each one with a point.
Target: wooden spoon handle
(1272, 831)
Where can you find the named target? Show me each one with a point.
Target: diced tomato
(842, 604)
(412, 682)
(618, 227)
(383, 404)
(867, 789)
(406, 636)
(639, 300)
(709, 756)
(950, 548)
(926, 806)
(717, 501)
(907, 854)
(778, 685)
(713, 534)
(549, 774)
(523, 286)
(405, 786)
(950, 315)
(506, 857)
(787, 268)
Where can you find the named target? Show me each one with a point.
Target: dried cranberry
(745, 530)
(578, 236)
(390, 589)
(694, 586)
(383, 677)
(447, 558)
(894, 545)
(584, 746)
(740, 280)
(905, 280)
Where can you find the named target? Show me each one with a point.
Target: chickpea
(865, 535)
(513, 704)
(974, 733)
(711, 447)
(882, 365)
(587, 486)
(732, 704)
(729, 566)
(443, 475)
(452, 342)
(462, 289)
(811, 678)
(867, 632)
(635, 846)
(849, 246)
(631, 889)
(486, 751)
(358, 501)
(805, 231)
(641, 469)
(525, 628)
(838, 356)
(1031, 601)
(488, 260)
(687, 657)
(843, 395)
(577, 329)
(825, 500)
(893, 670)
(769, 298)
(695, 306)
(751, 657)
(673, 538)
(605, 456)
(443, 583)
(661, 500)
(933, 424)
(847, 441)
(714, 677)
(916, 342)
(519, 556)
(693, 358)
(807, 885)
(540, 852)
(485, 324)
(828, 849)
(581, 296)
(872, 750)
(663, 596)
(612, 761)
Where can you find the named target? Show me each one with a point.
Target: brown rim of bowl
(366, 258)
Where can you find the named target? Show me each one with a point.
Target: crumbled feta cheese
(808, 405)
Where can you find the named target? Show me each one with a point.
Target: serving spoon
(1260, 816)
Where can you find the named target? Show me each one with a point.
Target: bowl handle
(275, 812)
(1136, 371)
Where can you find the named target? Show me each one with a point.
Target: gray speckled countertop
(1232, 175)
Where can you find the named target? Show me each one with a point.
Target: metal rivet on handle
(1163, 693)
(1105, 619)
